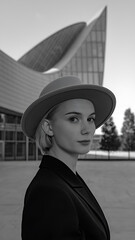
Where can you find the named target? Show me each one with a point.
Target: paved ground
(113, 184)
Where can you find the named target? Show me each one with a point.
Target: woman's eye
(73, 119)
(91, 119)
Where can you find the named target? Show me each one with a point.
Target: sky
(25, 23)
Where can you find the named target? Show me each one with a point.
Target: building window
(89, 37)
(99, 36)
(100, 64)
(1, 135)
(103, 36)
(95, 65)
(79, 66)
(84, 65)
(73, 64)
(94, 49)
(96, 79)
(10, 135)
(78, 54)
(90, 78)
(18, 120)
(10, 149)
(84, 50)
(100, 49)
(89, 50)
(10, 118)
(85, 81)
(20, 136)
(32, 150)
(21, 149)
(93, 36)
(90, 67)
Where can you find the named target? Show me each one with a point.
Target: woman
(58, 203)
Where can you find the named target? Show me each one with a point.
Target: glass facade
(47, 53)
(13, 143)
(88, 62)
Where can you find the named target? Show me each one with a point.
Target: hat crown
(60, 83)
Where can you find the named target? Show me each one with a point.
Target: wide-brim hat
(66, 88)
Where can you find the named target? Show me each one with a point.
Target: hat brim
(103, 99)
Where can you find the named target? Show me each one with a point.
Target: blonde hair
(43, 140)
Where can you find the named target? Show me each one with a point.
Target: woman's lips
(84, 142)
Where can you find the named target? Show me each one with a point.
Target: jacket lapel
(89, 198)
(77, 184)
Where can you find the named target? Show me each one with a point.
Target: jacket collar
(61, 169)
(76, 183)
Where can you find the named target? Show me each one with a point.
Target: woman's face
(73, 126)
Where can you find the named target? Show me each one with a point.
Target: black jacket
(59, 205)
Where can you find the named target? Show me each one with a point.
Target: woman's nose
(85, 128)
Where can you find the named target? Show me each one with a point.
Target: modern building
(78, 49)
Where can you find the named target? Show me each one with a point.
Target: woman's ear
(47, 128)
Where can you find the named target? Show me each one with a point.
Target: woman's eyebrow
(78, 113)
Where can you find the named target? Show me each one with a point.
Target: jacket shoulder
(46, 181)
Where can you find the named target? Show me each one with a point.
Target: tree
(110, 139)
(128, 131)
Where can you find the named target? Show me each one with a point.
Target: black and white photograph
(67, 120)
